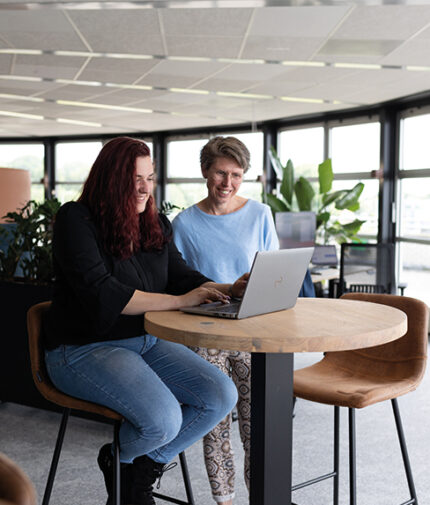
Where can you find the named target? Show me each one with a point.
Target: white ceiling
(78, 67)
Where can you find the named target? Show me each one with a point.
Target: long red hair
(109, 193)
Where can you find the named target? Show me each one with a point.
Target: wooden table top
(314, 324)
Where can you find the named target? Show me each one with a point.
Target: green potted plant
(28, 238)
(26, 278)
(299, 195)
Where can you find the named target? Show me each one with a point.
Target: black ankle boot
(144, 473)
(105, 461)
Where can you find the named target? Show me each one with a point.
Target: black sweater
(92, 287)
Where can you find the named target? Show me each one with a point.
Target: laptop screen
(324, 255)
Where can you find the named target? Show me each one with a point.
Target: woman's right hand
(202, 295)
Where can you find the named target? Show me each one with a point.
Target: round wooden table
(314, 324)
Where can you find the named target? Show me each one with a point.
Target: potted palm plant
(298, 195)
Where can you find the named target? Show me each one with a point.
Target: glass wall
(413, 206)
(29, 157)
(304, 147)
(350, 161)
(73, 163)
(355, 153)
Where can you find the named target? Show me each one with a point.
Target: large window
(73, 162)
(350, 161)
(413, 196)
(29, 157)
(355, 153)
(304, 147)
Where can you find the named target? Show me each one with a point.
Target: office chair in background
(367, 268)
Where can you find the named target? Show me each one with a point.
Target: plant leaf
(325, 175)
(350, 199)
(353, 227)
(322, 217)
(276, 204)
(287, 184)
(329, 198)
(304, 193)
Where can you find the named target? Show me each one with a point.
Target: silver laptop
(324, 256)
(274, 284)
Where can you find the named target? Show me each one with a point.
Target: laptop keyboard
(230, 308)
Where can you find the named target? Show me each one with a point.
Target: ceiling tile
(215, 84)
(120, 31)
(39, 29)
(278, 48)
(349, 47)
(302, 22)
(204, 46)
(414, 52)
(383, 22)
(205, 22)
(121, 71)
(27, 88)
(5, 63)
(71, 92)
(125, 96)
(167, 81)
(196, 69)
(255, 72)
(47, 66)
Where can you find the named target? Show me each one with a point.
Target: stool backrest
(40, 374)
(401, 359)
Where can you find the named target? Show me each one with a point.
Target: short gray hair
(224, 147)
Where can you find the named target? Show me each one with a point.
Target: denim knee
(163, 427)
(224, 396)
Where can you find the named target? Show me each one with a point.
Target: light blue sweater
(223, 247)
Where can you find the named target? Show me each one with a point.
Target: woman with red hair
(114, 259)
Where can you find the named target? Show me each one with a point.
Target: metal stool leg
(116, 465)
(336, 446)
(186, 476)
(352, 459)
(56, 456)
(404, 450)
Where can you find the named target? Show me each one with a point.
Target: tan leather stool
(51, 393)
(15, 487)
(363, 377)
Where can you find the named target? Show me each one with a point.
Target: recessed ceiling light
(76, 122)
(20, 115)
(91, 105)
(21, 97)
(369, 66)
(303, 63)
(303, 100)
(244, 95)
(190, 90)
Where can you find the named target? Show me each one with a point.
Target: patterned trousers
(217, 447)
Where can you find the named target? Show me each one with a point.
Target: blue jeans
(169, 396)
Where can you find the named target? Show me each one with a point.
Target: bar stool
(54, 395)
(360, 378)
(15, 486)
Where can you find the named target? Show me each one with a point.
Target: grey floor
(27, 436)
